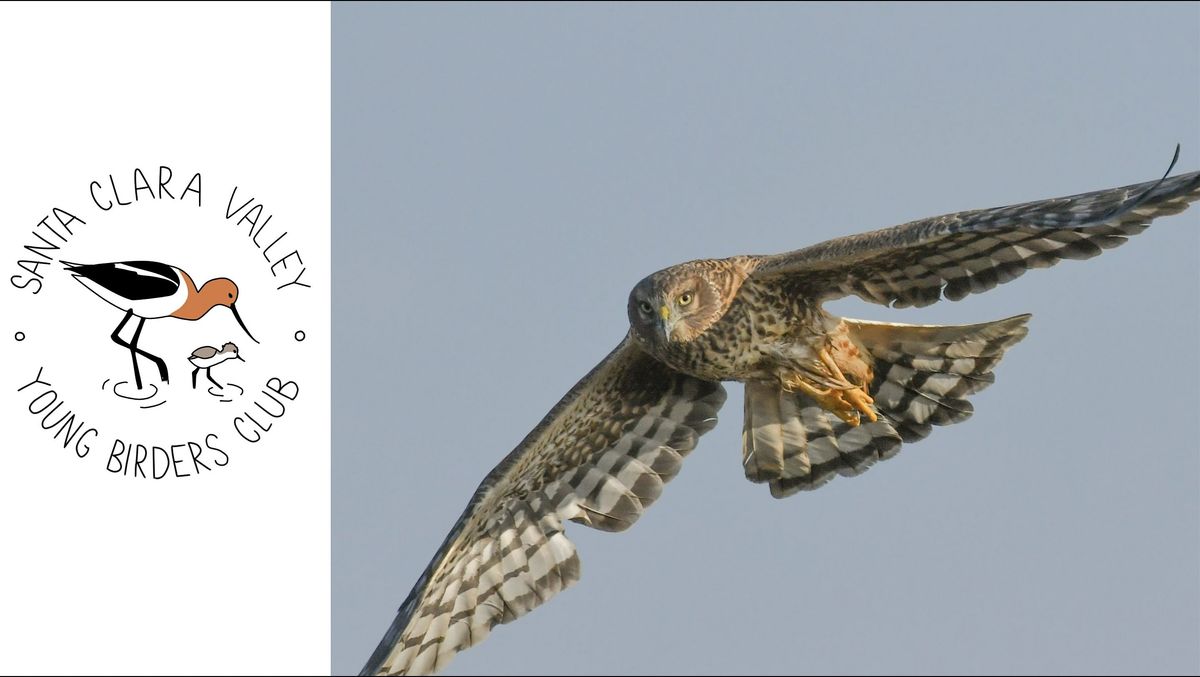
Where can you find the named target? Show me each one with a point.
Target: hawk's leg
(834, 392)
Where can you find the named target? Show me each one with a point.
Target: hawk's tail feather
(923, 375)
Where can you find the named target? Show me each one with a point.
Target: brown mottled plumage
(824, 395)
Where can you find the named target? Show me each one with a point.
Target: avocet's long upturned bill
(149, 290)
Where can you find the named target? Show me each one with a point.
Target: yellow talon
(861, 401)
(846, 400)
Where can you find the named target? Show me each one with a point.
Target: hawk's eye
(685, 298)
(645, 307)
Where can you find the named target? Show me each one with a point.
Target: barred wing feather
(954, 255)
(600, 458)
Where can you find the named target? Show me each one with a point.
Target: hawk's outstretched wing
(954, 255)
(600, 457)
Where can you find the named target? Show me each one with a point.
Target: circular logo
(161, 323)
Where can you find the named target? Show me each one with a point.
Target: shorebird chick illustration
(149, 290)
(207, 357)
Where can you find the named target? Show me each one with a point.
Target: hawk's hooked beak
(666, 325)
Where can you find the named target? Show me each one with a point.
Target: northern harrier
(825, 395)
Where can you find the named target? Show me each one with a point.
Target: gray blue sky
(504, 174)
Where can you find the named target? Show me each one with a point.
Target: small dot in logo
(20, 336)
(300, 335)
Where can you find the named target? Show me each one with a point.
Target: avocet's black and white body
(150, 290)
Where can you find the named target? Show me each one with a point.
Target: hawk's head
(679, 303)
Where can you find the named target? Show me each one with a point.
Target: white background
(225, 572)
